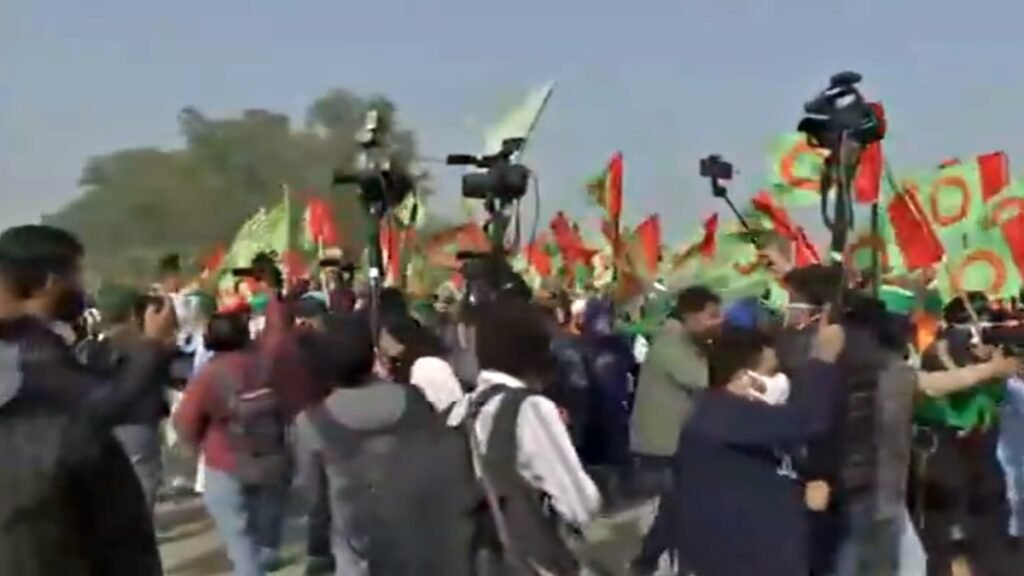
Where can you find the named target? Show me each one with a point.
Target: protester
(394, 491)
(674, 370)
(62, 464)
(421, 362)
(611, 367)
(525, 448)
(958, 486)
(736, 452)
(121, 310)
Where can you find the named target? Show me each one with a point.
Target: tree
(137, 204)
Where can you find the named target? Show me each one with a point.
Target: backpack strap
(502, 444)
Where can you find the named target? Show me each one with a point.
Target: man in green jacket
(674, 370)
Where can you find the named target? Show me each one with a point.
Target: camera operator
(958, 488)
(66, 478)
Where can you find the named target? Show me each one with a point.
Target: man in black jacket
(70, 503)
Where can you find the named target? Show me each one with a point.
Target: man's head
(810, 289)
(41, 272)
(310, 313)
(700, 311)
(743, 362)
(169, 272)
(120, 305)
(344, 353)
(227, 332)
(512, 336)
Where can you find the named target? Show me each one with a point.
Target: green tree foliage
(140, 203)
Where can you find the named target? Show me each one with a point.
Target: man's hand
(816, 495)
(1004, 366)
(830, 339)
(159, 322)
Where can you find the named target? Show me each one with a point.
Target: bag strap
(489, 489)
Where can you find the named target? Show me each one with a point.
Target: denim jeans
(248, 518)
(1011, 454)
(891, 548)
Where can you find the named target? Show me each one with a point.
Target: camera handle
(722, 193)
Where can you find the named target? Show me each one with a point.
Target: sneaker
(270, 560)
(319, 566)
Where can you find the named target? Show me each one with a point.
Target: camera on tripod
(501, 180)
(380, 187)
(840, 111)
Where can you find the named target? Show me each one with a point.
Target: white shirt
(436, 379)
(546, 457)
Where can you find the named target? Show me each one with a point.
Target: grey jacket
(672, 373)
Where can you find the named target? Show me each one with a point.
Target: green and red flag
(605, 189)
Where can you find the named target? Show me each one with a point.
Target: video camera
(502, 180)
(840, 111)
(380, 187)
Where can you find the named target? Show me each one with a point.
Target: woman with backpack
(230, 411)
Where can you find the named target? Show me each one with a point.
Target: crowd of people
(483, 436)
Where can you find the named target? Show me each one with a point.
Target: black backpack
(413, 496)
(409, 489)
(257, 426)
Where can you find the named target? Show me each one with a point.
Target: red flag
(213, 260)
(390, 247)
(994, 168)
(616, 167)
(649, 235)
(707, 243)
(867, 183)
(914, 235)
(569, 241)
(764, 204)
(806, 253)
(320, 222)
(537, 256)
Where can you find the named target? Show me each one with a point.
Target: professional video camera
(380, 187)
(502, 180)
(840, 112)
(840, 120)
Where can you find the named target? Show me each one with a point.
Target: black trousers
(318, 534)
(957, 498)
(655, 475)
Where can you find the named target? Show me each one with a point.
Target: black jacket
(70, 502)
(740, 506)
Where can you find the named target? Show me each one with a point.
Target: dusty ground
(190, 545)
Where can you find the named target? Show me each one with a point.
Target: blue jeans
(141, 442)
(249, 519)
(1011, 454)
(902, 549)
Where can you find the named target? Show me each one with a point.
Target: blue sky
(665, 81)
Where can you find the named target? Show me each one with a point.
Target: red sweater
(202, 417)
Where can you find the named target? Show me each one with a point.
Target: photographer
(958, 489)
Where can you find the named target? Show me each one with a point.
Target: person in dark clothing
(121, 309)
(70, 502)
(734, 458)
(610, 368)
